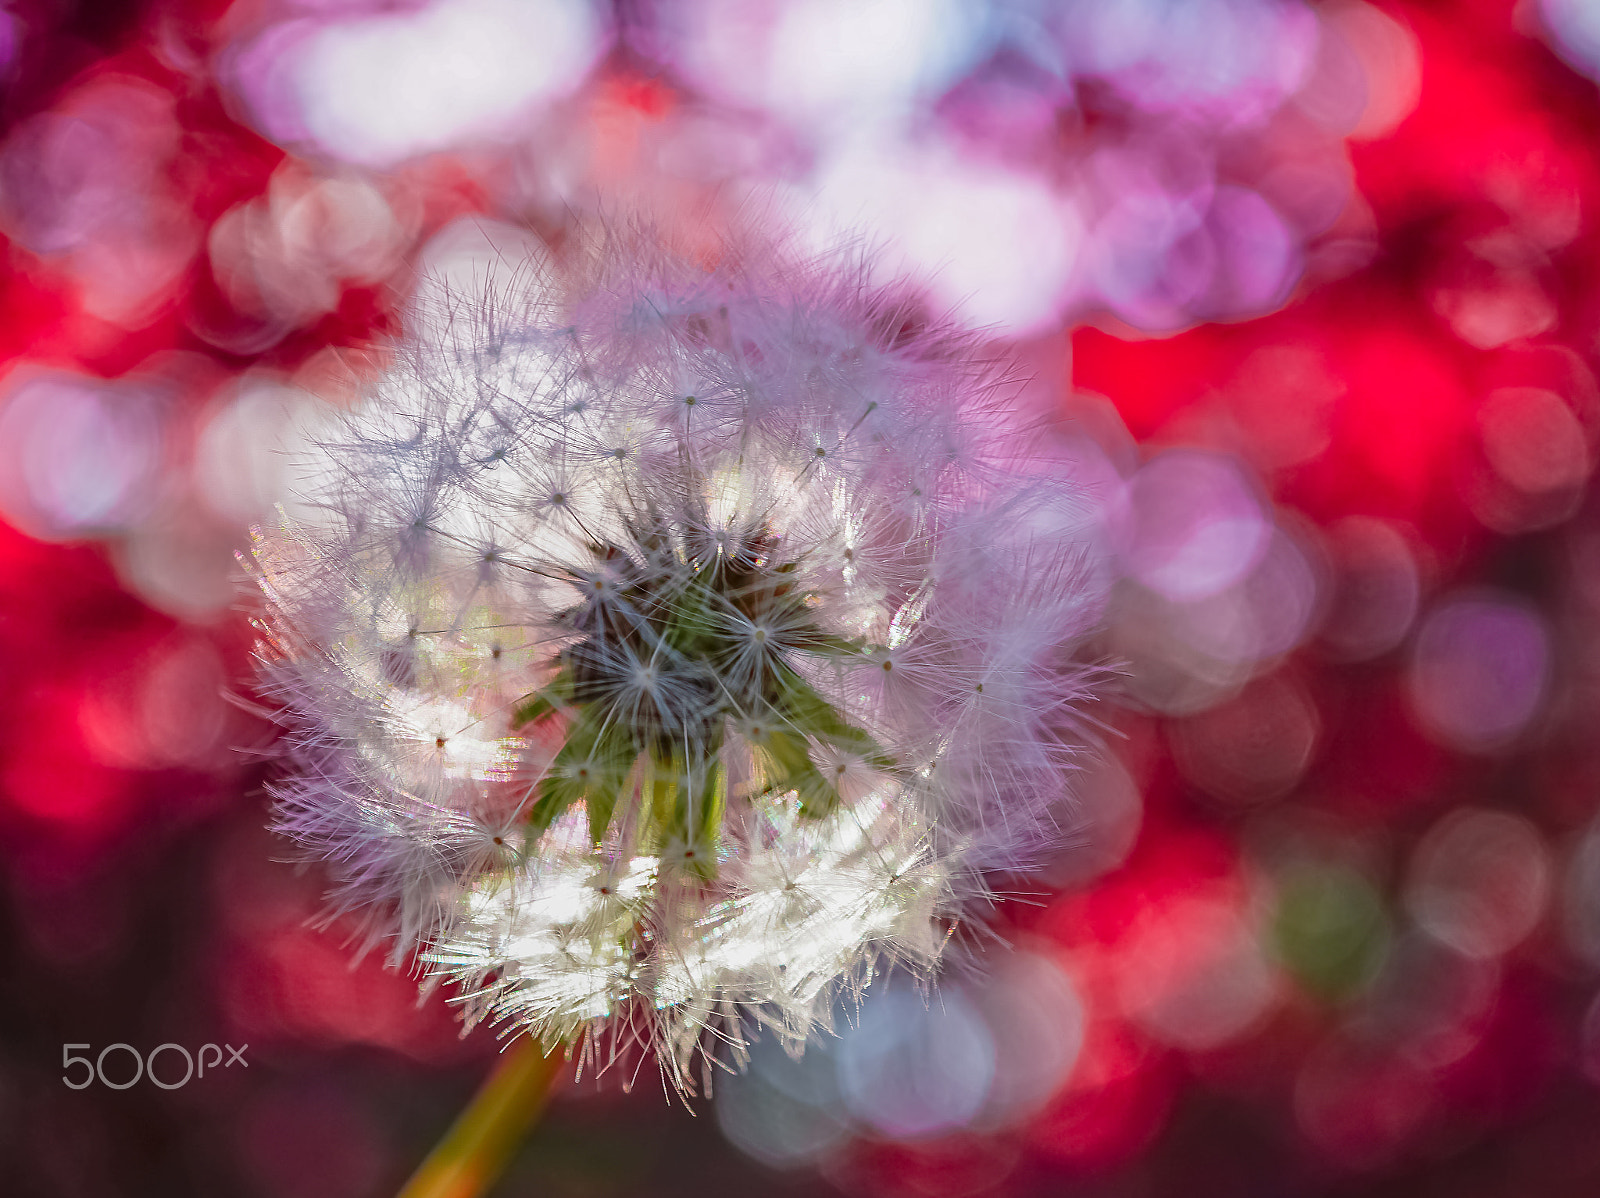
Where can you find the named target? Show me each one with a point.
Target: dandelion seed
(739, 610)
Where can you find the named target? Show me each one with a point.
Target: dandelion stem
(483, 1138)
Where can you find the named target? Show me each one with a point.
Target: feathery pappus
(665, 647)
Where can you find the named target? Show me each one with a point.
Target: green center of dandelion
(678, 642)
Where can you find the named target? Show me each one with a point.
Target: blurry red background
(1313, 289)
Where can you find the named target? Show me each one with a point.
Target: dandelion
(664, 649)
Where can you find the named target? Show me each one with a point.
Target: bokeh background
(1313, 291)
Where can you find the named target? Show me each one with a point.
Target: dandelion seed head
(665, 649)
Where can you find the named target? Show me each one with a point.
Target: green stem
(484, 1137)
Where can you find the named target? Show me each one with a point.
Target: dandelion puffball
(663, 648)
